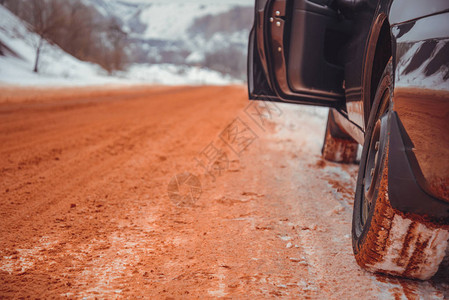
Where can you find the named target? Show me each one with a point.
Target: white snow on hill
(59, 68)
(184, 32)
(56, 66)
(164, 19)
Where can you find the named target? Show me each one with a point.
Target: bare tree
(77, 28)
(45, 16)
(117, 39)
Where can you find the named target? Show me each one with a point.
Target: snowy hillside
(56, 67)
(169, 42)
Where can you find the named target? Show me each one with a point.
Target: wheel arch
(378, 53)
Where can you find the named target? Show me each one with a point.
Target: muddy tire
(385, 240)
(338, 146)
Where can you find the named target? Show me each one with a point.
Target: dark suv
(383, 69)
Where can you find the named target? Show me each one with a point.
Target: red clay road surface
(176, 192)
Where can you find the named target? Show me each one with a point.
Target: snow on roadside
(294, 115)
(176, 75)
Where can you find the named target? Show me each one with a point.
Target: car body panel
(421, 96)
(406, 10)
(405, 192)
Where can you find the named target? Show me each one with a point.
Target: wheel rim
(371, 173)
(373, 166)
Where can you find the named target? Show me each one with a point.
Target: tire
(338, 146)
(385, 240)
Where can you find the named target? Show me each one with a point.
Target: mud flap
(404, 191)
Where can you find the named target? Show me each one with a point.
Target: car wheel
(338, 146)
(385, 240)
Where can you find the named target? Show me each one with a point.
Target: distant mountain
(205, 33)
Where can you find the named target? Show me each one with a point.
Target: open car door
(296, 52)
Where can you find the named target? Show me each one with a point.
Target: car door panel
(290, 38)
(309, 66)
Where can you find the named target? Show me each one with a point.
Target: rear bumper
(404, 191)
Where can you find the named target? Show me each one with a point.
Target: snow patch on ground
(295, 115)
(24, 259)
(221, 290)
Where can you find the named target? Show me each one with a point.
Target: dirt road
(180, 192)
